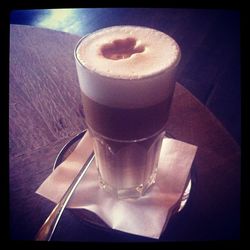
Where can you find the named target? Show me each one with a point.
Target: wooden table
(45, 111)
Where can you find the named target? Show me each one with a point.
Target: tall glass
(127, 80)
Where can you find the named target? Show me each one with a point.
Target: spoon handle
(46, 231)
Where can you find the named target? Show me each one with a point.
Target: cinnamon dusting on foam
(121, 49)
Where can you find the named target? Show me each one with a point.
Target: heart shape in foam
(121, 49)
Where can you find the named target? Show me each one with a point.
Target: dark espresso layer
(125, 124)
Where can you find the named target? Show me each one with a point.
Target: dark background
(209, 39)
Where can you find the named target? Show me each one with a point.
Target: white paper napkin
(145, 216)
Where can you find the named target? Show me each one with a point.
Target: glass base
(133, 192)
(127, 169)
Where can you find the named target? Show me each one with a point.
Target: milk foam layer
(140, 75)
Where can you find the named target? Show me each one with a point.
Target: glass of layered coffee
(127, 80)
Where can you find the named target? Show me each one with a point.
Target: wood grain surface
(45, 111)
